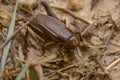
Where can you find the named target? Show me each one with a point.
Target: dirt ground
(96, 25)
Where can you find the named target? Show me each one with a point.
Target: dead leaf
(96, 40)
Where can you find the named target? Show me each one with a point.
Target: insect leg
(48, 9)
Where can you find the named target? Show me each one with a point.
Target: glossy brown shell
(53, 29)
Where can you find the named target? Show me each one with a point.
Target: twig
(12, 73)
(14, 34)
(113, 52)
(70, 13)
(69, 66)
(108, 40)
(79, 54)
(102, 68)
(111, 33)
(113, 64)
(65, 75)
(5, 11)
(65, 68)
(87, 29)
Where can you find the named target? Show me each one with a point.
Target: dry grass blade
(7, 47)
(113, 64)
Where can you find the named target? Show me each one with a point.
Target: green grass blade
(7, 47)
(20, 65)
(23, 71)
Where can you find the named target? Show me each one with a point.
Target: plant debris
(96, 25)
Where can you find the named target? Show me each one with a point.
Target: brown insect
(49, 27)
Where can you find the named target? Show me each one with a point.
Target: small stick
(79, 53)
(65, 68)
(113, 63)
(111, 33)
(108, 40)
(69, 66)
(103, 69)
(14, 34)
(70, 13)
(87, 29)
(65, 75)
(113, 52)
